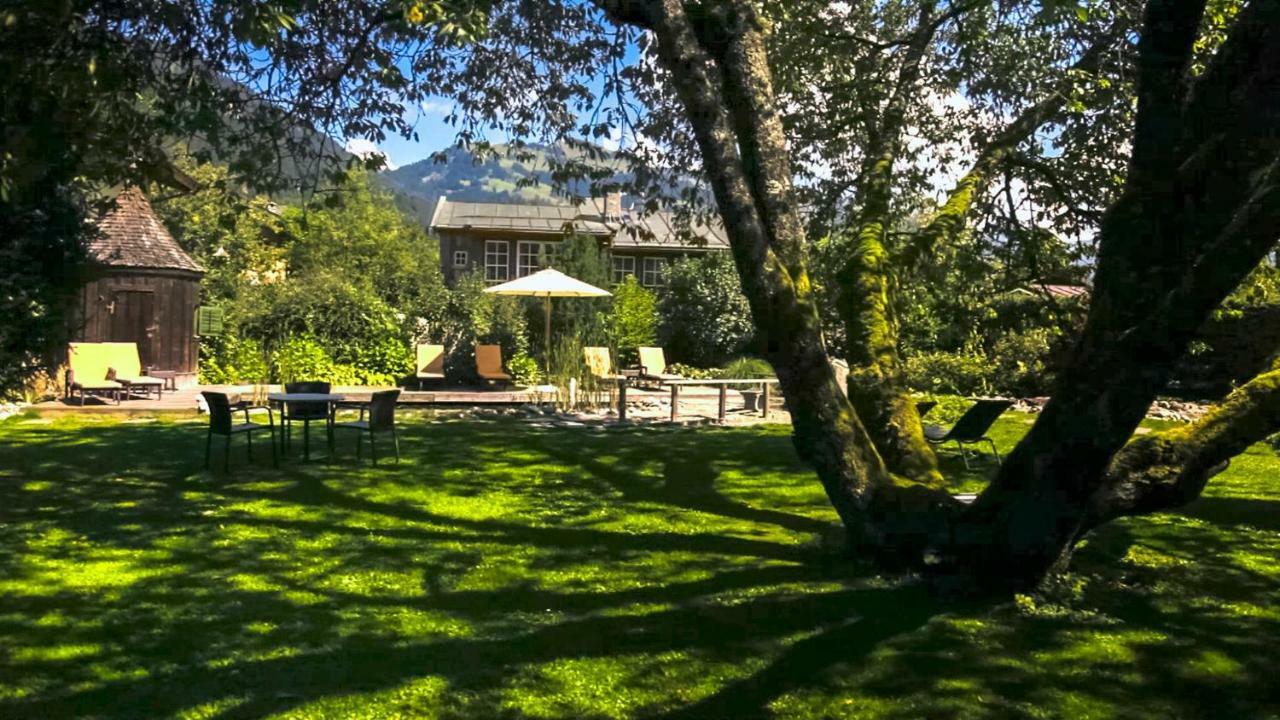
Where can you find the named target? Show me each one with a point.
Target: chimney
(613, 206)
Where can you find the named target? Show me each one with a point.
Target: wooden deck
(185, 400)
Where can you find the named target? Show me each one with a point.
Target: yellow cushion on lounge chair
(431, 362)
(90, 363)
(653, 361)
(598, 361)
(126, 363)
(489, 362)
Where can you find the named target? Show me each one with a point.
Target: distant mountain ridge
(420, 184)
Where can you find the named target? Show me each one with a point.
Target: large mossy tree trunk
(717, 62)
(877, 382)
(1198, 212)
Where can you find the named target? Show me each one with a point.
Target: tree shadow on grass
(176, 590)
(139, 586)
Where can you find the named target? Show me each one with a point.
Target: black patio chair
(971, 428)
(382, 419)
(924, 406)
(306, 413)
(222, 422)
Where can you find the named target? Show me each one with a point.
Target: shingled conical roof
(132, 236)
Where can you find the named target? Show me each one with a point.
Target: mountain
(495, 179)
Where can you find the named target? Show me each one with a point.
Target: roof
(131, 235)
(1059, 290)
(656, 230)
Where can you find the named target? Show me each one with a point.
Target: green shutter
(208, 320)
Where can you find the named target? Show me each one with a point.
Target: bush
(471, 317)
(948, 410)
(523, 369)
(303, 358)
(632, 320)
(693, 373)
(379, 362)
(959, 373)
(230, 360)
(1024, 362)
(704, 316)
(747, 368)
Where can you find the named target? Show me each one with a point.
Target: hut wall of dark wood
(153, 308)
(145, 288)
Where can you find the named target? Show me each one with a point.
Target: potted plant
(748, 368)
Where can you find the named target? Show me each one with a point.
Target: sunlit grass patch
(508, 571)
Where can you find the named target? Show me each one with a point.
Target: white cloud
(363, 148)
(436, 107)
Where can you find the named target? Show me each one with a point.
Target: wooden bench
(723, 384)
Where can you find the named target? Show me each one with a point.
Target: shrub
(632, 319)
(959, 373)
(380, 362)
(523, 369)
(693, 373)
(473, 316)
(303, 358)
(230, 360)
(704, 316)
(747, 368)
(1024, 361)
(948, 410)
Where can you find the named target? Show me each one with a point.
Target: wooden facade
(145, 289)
(504, 241)
(155, 310)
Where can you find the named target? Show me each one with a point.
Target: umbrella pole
(546, 336)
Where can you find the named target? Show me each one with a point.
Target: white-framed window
(534, 256)
(623, 265)
(497, 261)
(460, 258)
(651, 272)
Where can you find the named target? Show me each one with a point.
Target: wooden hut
(145, 290)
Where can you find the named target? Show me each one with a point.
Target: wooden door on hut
(133, 319)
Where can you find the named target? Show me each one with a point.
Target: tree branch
(1169, 469)
(1164, 59)
(952, 218)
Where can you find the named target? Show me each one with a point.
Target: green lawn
(505, 570)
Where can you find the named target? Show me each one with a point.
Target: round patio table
(329, 399)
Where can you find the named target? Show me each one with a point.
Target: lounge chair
(971, 428)
(489, 364)
(430, 363)
(126, 369)
(222, 422)
(600, 363)
(653, 365)
(382, 419)
(88, 365)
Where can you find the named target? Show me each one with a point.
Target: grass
(505, 570)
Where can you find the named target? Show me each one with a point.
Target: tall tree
(98, 93)
(1197, 212)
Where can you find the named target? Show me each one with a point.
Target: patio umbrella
(547, 284)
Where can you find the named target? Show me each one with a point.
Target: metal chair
(971, 428)
(222, 422)
(382, 419)
(924, 406)
(306, 413)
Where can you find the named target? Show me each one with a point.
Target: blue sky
(433, 134)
